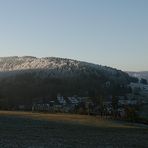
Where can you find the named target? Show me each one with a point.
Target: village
(85, 105)
(116, 106)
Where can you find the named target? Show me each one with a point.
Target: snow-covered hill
(55, 67)
(28, 62)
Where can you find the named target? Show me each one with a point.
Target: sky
(107, 32)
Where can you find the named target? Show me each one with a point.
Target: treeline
(24, 88)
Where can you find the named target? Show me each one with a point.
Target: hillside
(58, 67)
(54, 66)
(26, 78)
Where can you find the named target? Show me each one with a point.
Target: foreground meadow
(39, 130)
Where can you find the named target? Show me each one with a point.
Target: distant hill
(142, 74)
(23, 79)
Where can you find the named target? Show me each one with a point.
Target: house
(73, 100)
(57, 108)
(61, 100)
(126, 102)
(41, 107)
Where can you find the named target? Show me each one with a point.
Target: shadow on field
(34, 133)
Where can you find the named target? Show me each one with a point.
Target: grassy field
(39, 130)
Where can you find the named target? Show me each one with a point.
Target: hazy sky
(107, 32)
